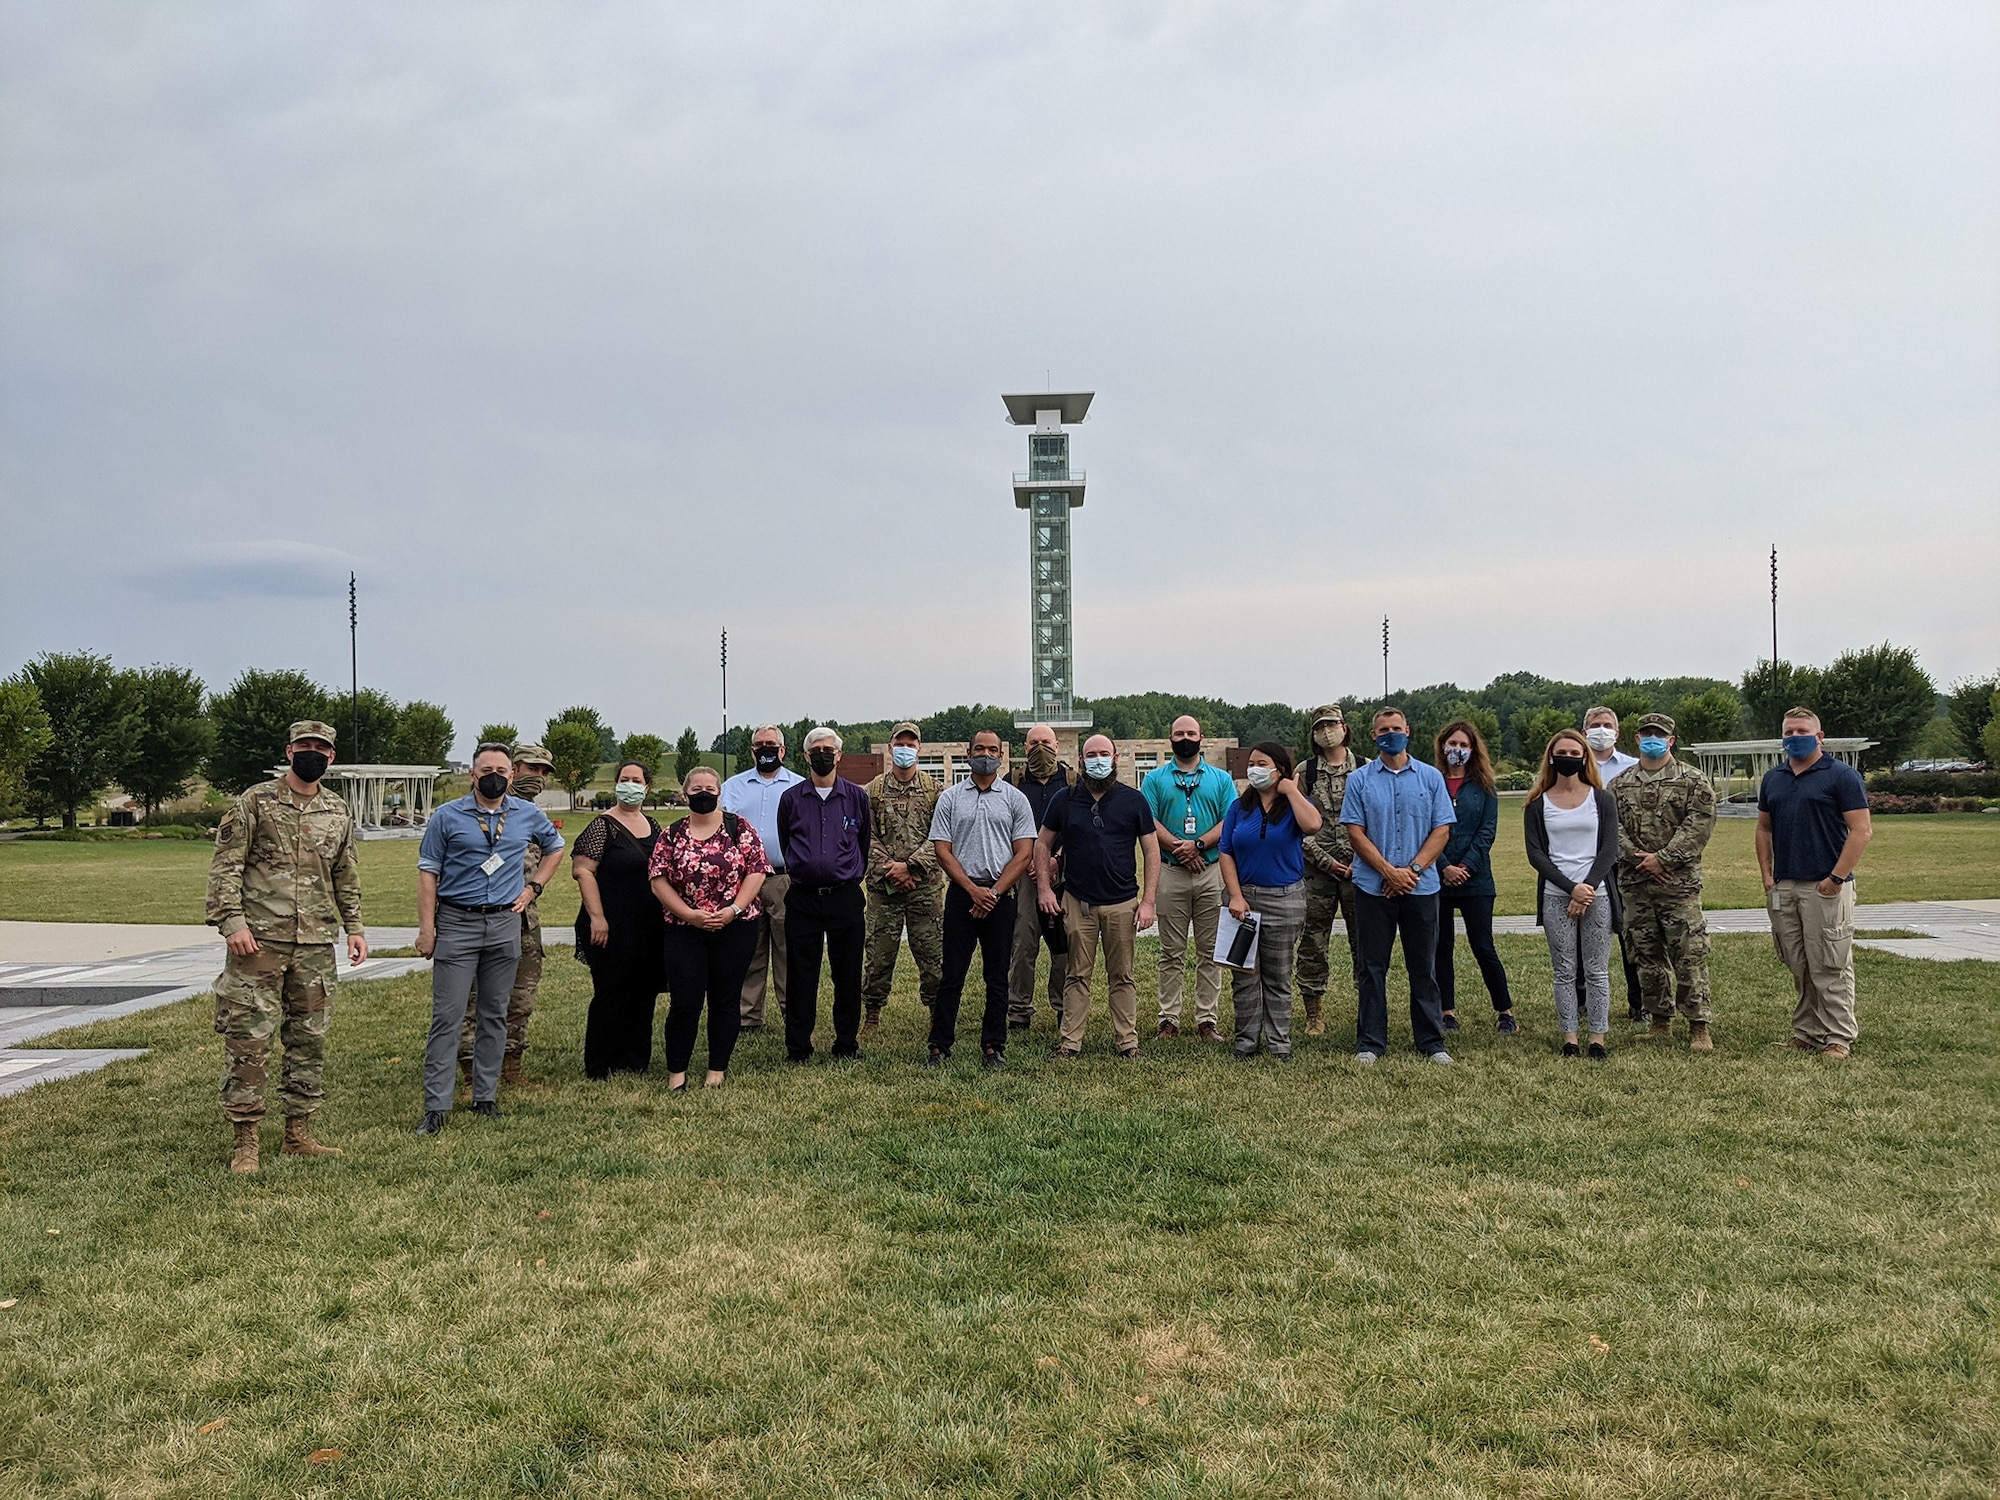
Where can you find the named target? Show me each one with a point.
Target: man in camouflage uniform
(532, 769)
(904, 883)
(1329, 862)
(283, 882)
(1666, 812)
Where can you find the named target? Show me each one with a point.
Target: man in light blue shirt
(472, 886)
(1188, 798)
(753, 796)
(1398, 816)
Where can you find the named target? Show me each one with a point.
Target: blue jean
(1380, 919)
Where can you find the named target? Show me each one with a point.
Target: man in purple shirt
(823, 831)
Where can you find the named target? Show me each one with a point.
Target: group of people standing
(773, 875)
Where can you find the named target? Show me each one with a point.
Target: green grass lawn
(1755, 1273)
(1926, 858)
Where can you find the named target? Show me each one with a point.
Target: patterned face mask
(1457, 755)
(529, 785)
(1041, 761)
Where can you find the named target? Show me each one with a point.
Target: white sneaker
(1441, 1058)
(1366, 1058)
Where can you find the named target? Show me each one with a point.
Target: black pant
(836, 915)
(1632, 1003)
(1478, 913)
(706, 966)
(993, 935)
(1380, 918)
(618, 1029)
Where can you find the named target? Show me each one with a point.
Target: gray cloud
(232, 572)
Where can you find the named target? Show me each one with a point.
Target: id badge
(1187, 825)
(493, 863)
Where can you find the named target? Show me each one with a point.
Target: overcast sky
(582, 331)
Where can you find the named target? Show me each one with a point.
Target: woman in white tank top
(1571, 827)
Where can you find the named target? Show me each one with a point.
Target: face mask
(309, 765)
(1261, 776)
(1567, 765)
(1186, 749)
(1041, 761)
(1600, 738)
(1330, 737)
(702, 802)
(1097, 767)
(767, 757)
(984, 765)
(1457, 755)
(1652, 747)
(821, 760)
(529, 786)
(904, 756)
(1801, 746)
(631, 793)
(1392, 742)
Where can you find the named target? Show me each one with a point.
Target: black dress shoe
(992, 1057)
(433, 1122)
(487, 1109)
(936, 1059)
(1570, 1049)
(1450, 1021)
(1027, 1025)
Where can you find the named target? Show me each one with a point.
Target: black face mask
(766, 756)
(1567, 765)
(1186, 749)
(492, 785)
(309, 765)
(821, 761)
(701, 802)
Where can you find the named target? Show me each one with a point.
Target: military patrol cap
(1662, 722)
(532, 755)
(906, 728)
(310, 729)
(1326, 712)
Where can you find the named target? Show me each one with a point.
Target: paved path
(55, 975)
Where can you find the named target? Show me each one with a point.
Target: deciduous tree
(572, 746)
(423, 735)
(647, 749)
(170, 735)
(24, 734)
(1879, 692)
(253, 720)
(89, 726)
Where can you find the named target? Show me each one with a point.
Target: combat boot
(244, 1157)
(510, 1068)
(871, 1021)
(299, 1139)
(1698, 1037)
(1661, 1030)
(1315, 1025)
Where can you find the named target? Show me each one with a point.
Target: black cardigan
(1603, 869)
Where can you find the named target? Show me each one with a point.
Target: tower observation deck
(1048, 490)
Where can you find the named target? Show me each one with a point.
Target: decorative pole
(1774, 604)
(1385, 658)
(728, 760)
(353, 669)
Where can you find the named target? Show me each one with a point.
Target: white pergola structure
(1719, 758)
(367, 790)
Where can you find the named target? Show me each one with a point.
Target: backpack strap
(1309, 778)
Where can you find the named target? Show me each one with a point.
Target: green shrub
(1936, 783)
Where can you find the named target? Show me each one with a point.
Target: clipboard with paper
(1236, 942)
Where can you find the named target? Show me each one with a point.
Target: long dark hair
(1478, 770)
(1252, 800)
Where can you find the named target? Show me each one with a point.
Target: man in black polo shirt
(1099, 826)
(1812, 824)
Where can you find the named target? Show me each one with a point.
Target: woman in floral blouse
(707, 870)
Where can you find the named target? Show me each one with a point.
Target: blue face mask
(1392, 742)
(904, 756)
(1097, 767)
(1801, 746)
(1653, 747)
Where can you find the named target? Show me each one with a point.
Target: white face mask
(1097, 767)
(1261, 777)
(631, 793)
(1601, 738)
(1330, 737)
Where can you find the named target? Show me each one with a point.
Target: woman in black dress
(620, 930)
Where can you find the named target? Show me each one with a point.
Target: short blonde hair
(1801, 713)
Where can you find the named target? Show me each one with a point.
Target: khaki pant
(1188, 901)
(770, 940)
(1088, 927)
(1815, 937)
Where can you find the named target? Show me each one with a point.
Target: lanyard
(495, 832)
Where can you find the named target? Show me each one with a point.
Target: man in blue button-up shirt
(1398, 816)
(753, 796)
(471, 890)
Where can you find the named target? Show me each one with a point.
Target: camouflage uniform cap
(533, 755)
(1328, 712)
(310, 729)
(906, 728)
(1662, 722)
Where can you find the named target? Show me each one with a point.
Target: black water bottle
(1239, 946)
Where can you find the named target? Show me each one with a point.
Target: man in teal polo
(1188, 798)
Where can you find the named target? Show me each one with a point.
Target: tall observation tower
(1048, 491)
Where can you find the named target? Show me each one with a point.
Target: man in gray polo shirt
(984, 834)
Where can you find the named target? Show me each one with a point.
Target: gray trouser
(469, 944)
(1583, 942)
(1264, 994)
(1028, 944)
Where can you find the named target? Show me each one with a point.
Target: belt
(829, 890)
(482, 911)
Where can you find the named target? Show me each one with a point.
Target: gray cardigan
(1603, 869)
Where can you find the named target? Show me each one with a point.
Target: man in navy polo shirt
(1812, 824)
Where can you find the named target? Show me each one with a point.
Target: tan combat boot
(244, 1157)
(510, 1068)
(1698, 1037)
(299, 1139)
(871, 1021)
(1661, 1030)
(1315, 1025)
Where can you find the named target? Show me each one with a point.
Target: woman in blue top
(1465, 869)
(1263, 870)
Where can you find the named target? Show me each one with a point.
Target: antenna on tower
(728, 760)
(1385, 656)
(1774, 604)
(353, 670)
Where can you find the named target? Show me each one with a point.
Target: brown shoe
(510, 1068)
(871, 1021)
(1315, 1023)
(244, 1157)
(1834, 1050)
(299, 1139)
(1795, 1044)
(1698, 1037)
(1661, 1030)
(1207, 1032)
(1169, 1028)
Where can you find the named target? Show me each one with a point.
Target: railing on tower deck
(1026, 477)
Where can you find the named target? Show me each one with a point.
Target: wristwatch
(737, 909)
(537, 885)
